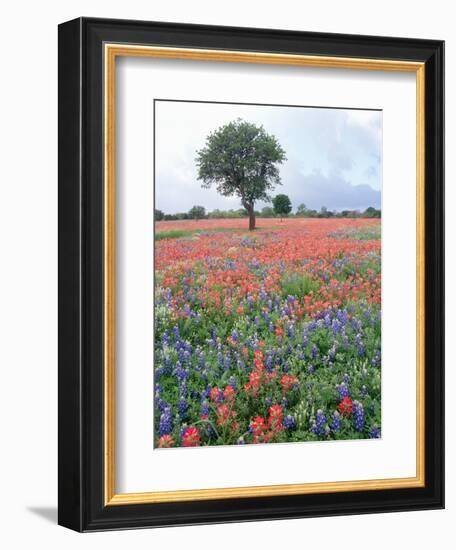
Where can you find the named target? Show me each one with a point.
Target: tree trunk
(251, 212)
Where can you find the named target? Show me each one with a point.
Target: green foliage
(173, 234)
(360, 234)
(241, 160)
(371, 212)
(267, 212)
(301, 210)
(158, 215)
(282, 205)
(197, 212)
(296, 284)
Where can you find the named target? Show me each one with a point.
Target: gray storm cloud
(334, 156)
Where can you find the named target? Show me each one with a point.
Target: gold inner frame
(111, 52)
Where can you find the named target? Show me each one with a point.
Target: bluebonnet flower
(268, 362)
(240, 441)
(335, 421)
(182, 407)
(176, 332)
(232, 382)
(201, 360)
(314, 352)
(374, 432)
(206, 393)
(342, 316)
(181, 373)
(159, 372)
(358, 416)
(356, 324)
(318, 427)
(204, 409)
(289, 422)
(167, 367)
(165, 338)
(166, 422)
(346, 378)
(359, 345)
(343, 390)
(311, 369)
(364, 390)
(376, 359)
(268, 402)
(284, 403)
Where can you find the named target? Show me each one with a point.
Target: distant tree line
(281, 208)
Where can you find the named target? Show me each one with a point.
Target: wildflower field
(267, 336)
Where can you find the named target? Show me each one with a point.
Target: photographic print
(244, 267)
(267, 274)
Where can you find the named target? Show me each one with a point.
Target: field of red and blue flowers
(267, 336)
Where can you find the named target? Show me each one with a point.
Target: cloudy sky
(334, 156)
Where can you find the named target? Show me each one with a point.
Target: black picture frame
(81, 472)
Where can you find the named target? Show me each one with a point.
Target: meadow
(272, 335)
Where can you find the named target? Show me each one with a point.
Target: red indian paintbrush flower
(191, 437)
(165, 442)
(229, 393)
(345, 406)
(288, 382)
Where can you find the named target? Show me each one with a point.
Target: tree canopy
(241, 160)
(197, 212)
(282, 205)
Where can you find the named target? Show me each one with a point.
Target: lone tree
(197, 212)
(282, 205)
(241, 160)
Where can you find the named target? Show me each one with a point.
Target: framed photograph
(251, 315)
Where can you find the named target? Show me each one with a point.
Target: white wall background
(28, 271)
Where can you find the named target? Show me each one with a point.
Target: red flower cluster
(229, 393)
(258, 429)
(191, 437)
(345, 406)
(165, 442)
(262, 432)
(224, 415)
(216, 395)
(254, 384)
(288, 382)
(275, 418)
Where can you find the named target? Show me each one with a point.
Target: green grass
(298, 285)
(173, 234)
(181, 233)
(360, 234)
